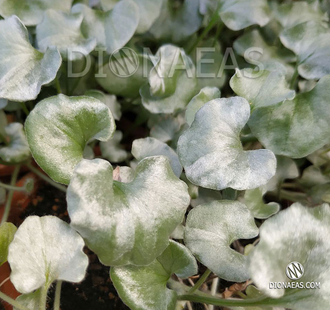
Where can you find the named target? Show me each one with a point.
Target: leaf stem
(294, 77)
(57, 301)
(45, 178)
(201, 280)
(261, 301)
(24, 108)
(213, 21)
(14, 188)
(12, 302)
(10, 194)
(43, 297)
(58, 86)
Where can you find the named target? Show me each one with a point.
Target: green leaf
(7, 232)
(291, 14)
(112, 150)
(211, 151)
(62, 31)
(286, 169)
(149, 10)
(205, 95)
(130, 223)
(240, 14)
(297, 234)
(18, 55)
(210, 230)
(17, 150)
(144, 288)
(112, 29)
(58, 129)
(261, 89)
(254, 202)
(176, 24)
(146, 147)
(109, 100)
(310, 41)
(30, 301)
(126, 86)
(31, 11)
(45, 249)
(205, 196)
(298, 127)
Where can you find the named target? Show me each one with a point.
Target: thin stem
(14, 188)
(294, 77)
(57, 301)
(213, 21)
(45, 178)
(217, 34)
(10, 194)
(12, 302)
(24, 108)
(261, 301)
(201, 280)
(43, 297)
(58, 86)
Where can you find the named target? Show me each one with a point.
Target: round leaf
(144, 288)
(58, 129)
(129, 223)
(23, 69)
(211, 151)
(238, 15)
(143, 148)
(297, 234)
(112, 150)
(210, 230)
(298, 127)
(62, 31)
(45, 249)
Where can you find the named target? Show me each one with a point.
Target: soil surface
(96, 292)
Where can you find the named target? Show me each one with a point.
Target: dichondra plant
(191, 137)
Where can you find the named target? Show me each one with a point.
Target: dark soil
(96, 291)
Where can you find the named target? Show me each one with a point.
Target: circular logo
(294, 270)
(124, 62)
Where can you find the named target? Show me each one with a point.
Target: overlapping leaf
(112, 150)
(62, 31)
(297, 234)
(112, 29)
(211, 228)
(59, 128)
(45, 249)
(23, 69)
(129, 223)
(31, 11)
(143, 148)
(211, 151)
(298, 127)
(144, 288)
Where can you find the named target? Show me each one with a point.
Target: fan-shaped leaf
(62, 31)
(59, 128)
(45, 249)
(297, 234)
(211, 151)
(211, 228)
(23, 69)
(144, 288)
(129, 222)
(298, 127)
